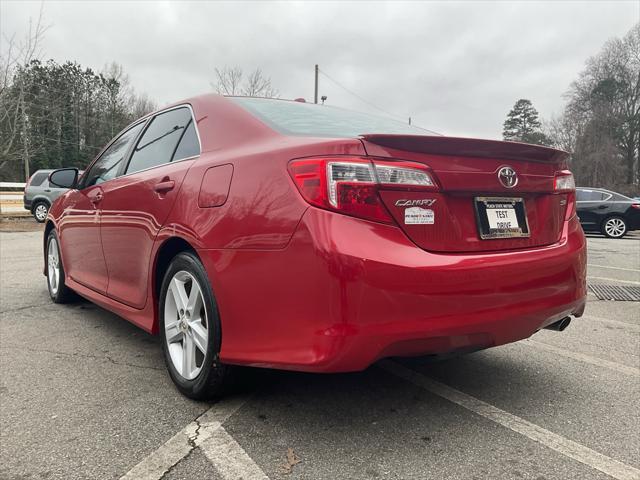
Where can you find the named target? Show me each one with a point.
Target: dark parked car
(607, 212)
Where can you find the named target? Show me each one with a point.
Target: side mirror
(64, 177)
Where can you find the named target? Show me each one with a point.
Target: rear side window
(616, 197)
(308, 119)
(38, 179)
(189, 145)
(160, 140)
(589, 196)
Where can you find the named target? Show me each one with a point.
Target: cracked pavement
(85, 394)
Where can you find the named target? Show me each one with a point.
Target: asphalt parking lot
(84, 394)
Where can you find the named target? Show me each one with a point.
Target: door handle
(164, 186)
(97, 198)
(47, 190)
(601, 207)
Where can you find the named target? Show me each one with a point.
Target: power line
(82, 88)
(84, 121)
(397, 117)
(75, 144)
(92, 119)
(57, 104)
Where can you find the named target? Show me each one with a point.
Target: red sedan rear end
(329, 240)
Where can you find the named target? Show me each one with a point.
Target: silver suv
(39, 195)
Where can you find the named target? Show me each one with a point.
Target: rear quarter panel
(263, 205)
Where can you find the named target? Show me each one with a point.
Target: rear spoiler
(468, 147)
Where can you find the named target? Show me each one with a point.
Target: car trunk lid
(468, 173)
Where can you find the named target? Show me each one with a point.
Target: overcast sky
(454, 67)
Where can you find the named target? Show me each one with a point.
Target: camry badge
(426, 202)
(508, 177)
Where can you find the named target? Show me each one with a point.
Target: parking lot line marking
(599, 362)
(229, 458)
(614, 268)
(617, 323)
(569, 448)
(609, 279)
(154, 466)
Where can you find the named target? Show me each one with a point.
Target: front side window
(106, 167)
(160, 140)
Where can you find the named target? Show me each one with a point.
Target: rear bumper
(347, 292)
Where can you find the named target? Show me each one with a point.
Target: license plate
(499, 217)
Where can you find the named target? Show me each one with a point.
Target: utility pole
(25, 141)
(409, 120)
(315, 90)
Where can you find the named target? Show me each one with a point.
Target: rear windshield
(308, 119)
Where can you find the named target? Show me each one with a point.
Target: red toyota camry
(281, 234)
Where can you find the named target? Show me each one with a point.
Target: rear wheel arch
(41, 198)
(167, 252)
(38, 200)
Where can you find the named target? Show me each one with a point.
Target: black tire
(40, 211)
(59, 292)
(614, 227)
(214, 378)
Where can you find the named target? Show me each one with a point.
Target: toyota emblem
(508, 177)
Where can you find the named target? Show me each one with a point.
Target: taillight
(350, 185)
(564, 182)
(635, 205)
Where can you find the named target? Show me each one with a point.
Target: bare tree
(13, 116)
(231, 81)
(257, 85)
(141, 105)
(600, 125)
(562, 132)
(607, 93)
(228, 80)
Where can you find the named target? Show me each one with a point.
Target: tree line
(58, 114)
(600, 124)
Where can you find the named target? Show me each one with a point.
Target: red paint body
(303, 288)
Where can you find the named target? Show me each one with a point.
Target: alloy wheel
(53, 266)
(186, 325)
(41, 212)
(615, 227)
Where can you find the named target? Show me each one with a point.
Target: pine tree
(522, 124)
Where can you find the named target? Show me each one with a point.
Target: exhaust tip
(560, 325)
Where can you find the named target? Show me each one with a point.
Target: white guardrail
(11, 201)
(12, 185)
